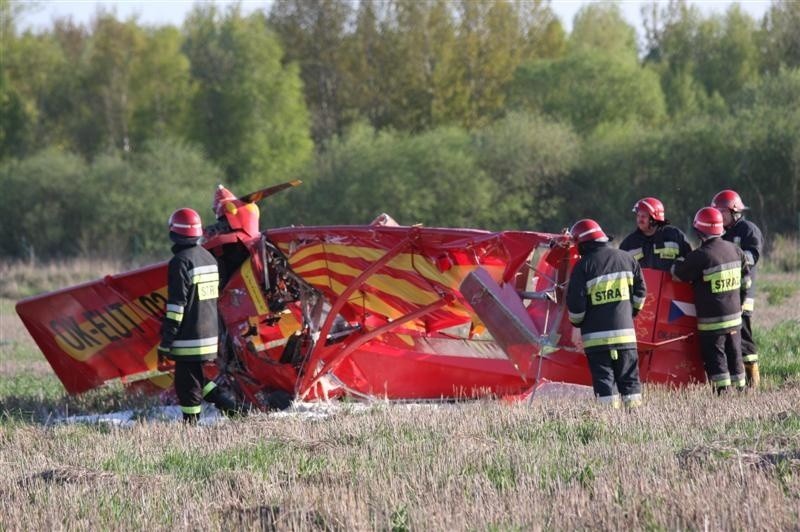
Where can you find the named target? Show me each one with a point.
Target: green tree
(313, 33)
(161, 87)
(527, 158)
(543, 34)
(683, 164)
(588, 89)
(117, 206)
(767, 138)
(13, 119)
(132, 197)
(112, 54)
(43, 204)
(779, 38)
(726, 55)
(491, 45)
(369, 64)
(428, 88)
(430, 178)
(601, 26)
(703, 62)
(248, 111)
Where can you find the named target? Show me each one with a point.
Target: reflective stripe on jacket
(747, 236)
(190, 328)
(659, 250)
(605, 288)
(719, 274)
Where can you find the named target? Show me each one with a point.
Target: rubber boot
(191, 419)
(752, 375)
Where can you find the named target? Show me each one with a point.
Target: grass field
(686, 460)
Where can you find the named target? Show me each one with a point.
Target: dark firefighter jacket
(606, 289)
(747, 236)
(659, 250)
(719, 273)
(190, 328)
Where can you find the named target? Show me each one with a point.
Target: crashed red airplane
(379, 310)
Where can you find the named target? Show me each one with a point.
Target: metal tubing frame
(349, 348)
(303, 384)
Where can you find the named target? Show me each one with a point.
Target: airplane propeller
(258, 195)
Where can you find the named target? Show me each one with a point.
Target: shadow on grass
(41, 400)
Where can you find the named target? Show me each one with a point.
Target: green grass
(778, 292)
(196, 465)
(42, 398)
(779, 351)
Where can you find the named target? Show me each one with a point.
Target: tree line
(445, 112)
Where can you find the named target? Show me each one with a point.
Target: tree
(113, 52)
(726, 56)
(42, 205)
(161, 87)
(588, 89)
(527, 158)
(702, 61)
(13, 119)
(779, 38)
(491, 40)
(248, 110)
(431, 178)
(313, 34)
(601, 26)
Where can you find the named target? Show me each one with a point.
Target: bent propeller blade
(258, 195)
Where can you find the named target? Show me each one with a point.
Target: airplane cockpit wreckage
(373, 311)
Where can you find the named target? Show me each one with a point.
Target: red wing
(393, 279)
(101, 330)
(430, 265)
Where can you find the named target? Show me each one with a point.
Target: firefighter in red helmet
(606, 290)
(747, 236)
(655, 243)
(189, 332)
(718, 273)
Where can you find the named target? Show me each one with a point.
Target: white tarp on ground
(309, 411)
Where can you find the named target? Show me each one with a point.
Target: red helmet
(708, 221)
(728, 199)
(587, 230)
(651, 206)
(186, 222)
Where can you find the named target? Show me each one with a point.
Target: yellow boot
(752, 374)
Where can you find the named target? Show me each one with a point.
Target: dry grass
(22, 279)
(686, 460)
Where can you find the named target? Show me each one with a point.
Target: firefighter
(606, 291)
(655, 243)
(747, 236)
(718, 272)
(189, 332)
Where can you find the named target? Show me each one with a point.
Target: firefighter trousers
(615, 370)
(192, 387)
(722, 357)
(749, 349)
